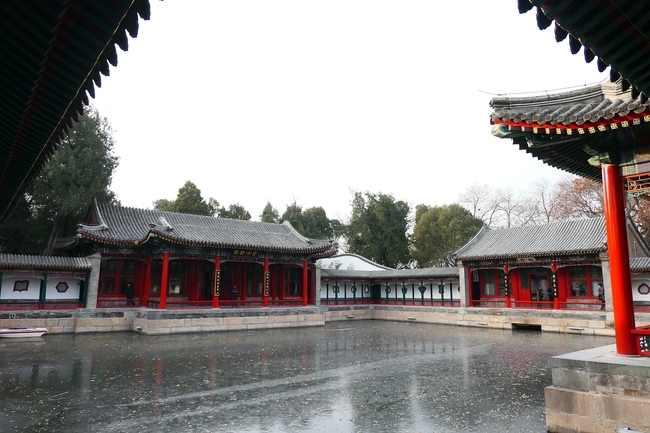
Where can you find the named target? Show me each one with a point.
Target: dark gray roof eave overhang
(544, 255)
(614, 33)
(28, 262)
(54, 54)
(321, 252)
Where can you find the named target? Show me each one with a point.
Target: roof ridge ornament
(162, 223)
(92, 228)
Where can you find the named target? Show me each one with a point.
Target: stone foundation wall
(175, 322)
(149, 321)
(597, 391)
(339, 313)
(164, 321)
(576, 322)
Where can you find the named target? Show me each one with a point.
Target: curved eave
(225, 245)
(532, 254)
(126, 243)
(319, 252)
(574, 129)
(560, 151)
(55, 54)
(614, 33)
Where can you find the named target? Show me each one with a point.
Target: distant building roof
(352, 261)
(17, 261)
(391, 274)
(585, 236)
(118, 225)
(640, 264)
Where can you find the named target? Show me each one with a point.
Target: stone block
(627, 411)
(184, 329)
(68, 321)
(571, 379)
(574, 403)
(159, 331)
(595, 425)
(560, 422)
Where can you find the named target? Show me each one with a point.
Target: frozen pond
(366, 376)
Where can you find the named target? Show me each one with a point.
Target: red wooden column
(267, 283)
(146, 291)
(619, 260)
(468, 286)
(164, 281)
(216, 289)
(305, 288)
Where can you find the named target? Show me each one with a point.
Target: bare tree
(578, 198)
(528, 212)
(508, 206)
(543, 194)
(480, 201)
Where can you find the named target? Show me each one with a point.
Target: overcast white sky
(258, 100)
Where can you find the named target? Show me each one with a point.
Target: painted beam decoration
(578, 130)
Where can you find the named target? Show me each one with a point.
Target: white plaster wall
(33, 289)
(74, 287)
(643, 285)
(409, 294)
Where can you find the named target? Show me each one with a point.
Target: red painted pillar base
(619, 260)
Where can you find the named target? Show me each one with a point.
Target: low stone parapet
(150, 321)
(598, 391)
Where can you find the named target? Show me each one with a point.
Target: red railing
(538, 305)
(408, 302)
(642, 335)
(174, 304)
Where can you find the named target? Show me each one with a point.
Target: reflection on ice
(367, 376)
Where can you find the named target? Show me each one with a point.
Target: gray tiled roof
(391, 274)
(18, 261)
(640, 264)
(590, 104)
(562, 238)
(131, 226)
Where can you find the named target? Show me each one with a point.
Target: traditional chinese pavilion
(600, 132)
(181, 260)
(559, 265)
